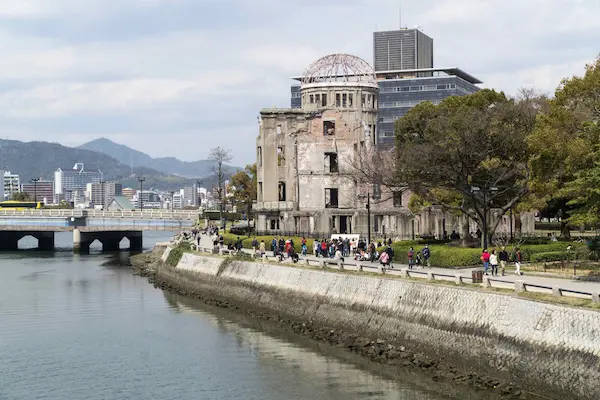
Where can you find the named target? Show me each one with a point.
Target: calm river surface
(83, 327)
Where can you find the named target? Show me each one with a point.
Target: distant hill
(167, 165)
(41, 159)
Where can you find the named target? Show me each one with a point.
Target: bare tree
(220, 156)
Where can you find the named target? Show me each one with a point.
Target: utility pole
(141, 180)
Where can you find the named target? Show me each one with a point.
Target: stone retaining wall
(551, 349)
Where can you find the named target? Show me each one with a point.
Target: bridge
(108, 227)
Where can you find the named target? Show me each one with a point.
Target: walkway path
(502, 281)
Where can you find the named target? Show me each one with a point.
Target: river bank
(392, 350)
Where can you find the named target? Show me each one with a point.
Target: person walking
(254, 245)
(262, 248)
(518, 260)
(390, 253)
(411, 258)
(503, 256)
(494, 263)
(426, 253)
(485, 259)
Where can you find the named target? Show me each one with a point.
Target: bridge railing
(130, 214)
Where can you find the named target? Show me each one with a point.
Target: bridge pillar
(135, 241)
(110, 243)
(81, 241)
(45, 241)
(9, 241)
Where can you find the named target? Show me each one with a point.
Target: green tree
(21, 196)
(446, 152)
(243, 184)
(565, 149)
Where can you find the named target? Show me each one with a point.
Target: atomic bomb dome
(339, 70)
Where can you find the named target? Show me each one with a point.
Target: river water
(84, 327)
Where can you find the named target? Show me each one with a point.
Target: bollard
(458, 279)
(556, 291)
(322, 264)
(264, 258)
(305, 261)
(404, 273)
(596, 297)
(486, 282)
(360, 267)
(430, 276)
(340, 265)
(380, 269)
(520, 286)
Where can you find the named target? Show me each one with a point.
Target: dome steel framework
(339, 68)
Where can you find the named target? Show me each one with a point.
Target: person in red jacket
(485, 258)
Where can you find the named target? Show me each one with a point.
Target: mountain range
(41, 159)
(167, 165)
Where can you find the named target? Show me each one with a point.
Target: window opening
(397, 199)
(331, 162)
(260, 191)
(344, 100)
(324, 100)
(281, 189)
(279, 129)
(331, 198)
(280, 156)
(337, 100)
(350, 99)
(312, 99)
(363, 101)
(328, 128)
(259, 156)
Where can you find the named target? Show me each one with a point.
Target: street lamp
(368, 197)
(485, 192)
(141, 180)
(35, 181)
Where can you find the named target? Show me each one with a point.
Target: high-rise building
(399, 91)
(190, 196)
(76, 179)
(150, 199)
(402, 49)
(100, 194)
(129, 193)
(42, 191)
(11, 185)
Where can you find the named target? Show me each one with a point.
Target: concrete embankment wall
(549, 348)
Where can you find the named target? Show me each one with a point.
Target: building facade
(66, 182)
(12, 185)
(42, 191)
(401, 50)
(190, 196)
(399, 91)
(100, 194)
(150, 200)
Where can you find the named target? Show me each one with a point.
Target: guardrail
(518, 286)
(136, 214)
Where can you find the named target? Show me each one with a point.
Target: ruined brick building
(306, 159)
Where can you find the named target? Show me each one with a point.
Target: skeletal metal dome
(336, 69)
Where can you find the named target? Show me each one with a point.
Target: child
(418, 260)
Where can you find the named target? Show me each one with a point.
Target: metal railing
(132, 214)
(518, 286)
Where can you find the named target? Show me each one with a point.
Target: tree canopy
(244, 186)
(565, 148)
(468, 153)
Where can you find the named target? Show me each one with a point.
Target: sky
(178, 77)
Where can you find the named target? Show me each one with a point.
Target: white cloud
(127, 69)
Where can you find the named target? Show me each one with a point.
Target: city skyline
(153, 74)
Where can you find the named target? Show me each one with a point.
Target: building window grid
(421, 88)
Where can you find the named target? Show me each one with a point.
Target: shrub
(247, 241)
(176, 253)
(549, 256)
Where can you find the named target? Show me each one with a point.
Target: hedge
(550, 256)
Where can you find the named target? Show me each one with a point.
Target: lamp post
(141, 180)
(102, 182)
(368, 206)
(484, 192)
(35, 181)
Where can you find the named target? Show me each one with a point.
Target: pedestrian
(254, 245)
(390, 253)
(485, 259)
(304, 249)
(324, 248)
(384, 259)
(426, 254)
(262, 248)
(316, 247)
(338, 254)
(411, 258)
(274, 246)
(503, 256)
(418, 259)
(518, 260)
(494, 263)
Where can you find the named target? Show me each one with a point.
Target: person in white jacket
(494, 262)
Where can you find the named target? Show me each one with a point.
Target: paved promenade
(507, 281)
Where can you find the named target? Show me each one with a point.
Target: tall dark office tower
(402, 49)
